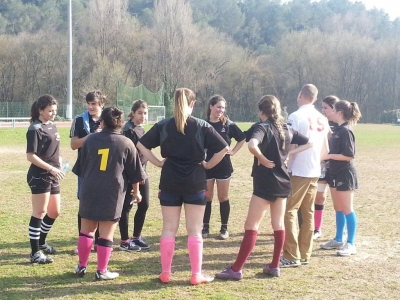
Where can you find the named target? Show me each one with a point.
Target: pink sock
(167, 248)
(195, 247)
(103, 257)
(85, 242)
(318, 214)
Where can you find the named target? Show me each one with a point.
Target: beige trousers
(299, 244)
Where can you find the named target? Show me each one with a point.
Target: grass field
(374, 273)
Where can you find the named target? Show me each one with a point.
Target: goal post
(126, 95)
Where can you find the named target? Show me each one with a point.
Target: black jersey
(83, 125)
(276, 180)
(341, 142)
(44, 141)
(134, 133)
(107, 163)
(182, 173)
(227, 132)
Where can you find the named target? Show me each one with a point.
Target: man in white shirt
(304, 169)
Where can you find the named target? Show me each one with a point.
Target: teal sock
(351, 219)
(340, 223)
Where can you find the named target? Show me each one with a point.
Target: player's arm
(215, 159)
(255, 150)
(339, 157)
(136, 192)
(149, 155)
(37, 161)
(77, 142)
(236, 148)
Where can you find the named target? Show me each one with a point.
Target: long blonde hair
(183, 97)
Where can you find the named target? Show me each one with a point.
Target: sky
(392, 7)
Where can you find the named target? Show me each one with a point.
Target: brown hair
(271, 107)
(350, 110)
(136, 105)
(214, 100)
(309, 91)
(331, 100)
(96, 96)
(41, 103)
(183, 97)
(113, 118)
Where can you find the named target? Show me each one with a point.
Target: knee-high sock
(207, 214)
(34, 233)
(195, 247)
(279, 240)
(224, 209)
(340, 223)
(351, 219)
(45, 227)
(246, 247)
(85, 242)
(104, 248)
(318, 215)
(167, 249)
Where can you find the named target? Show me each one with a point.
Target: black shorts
(345, 180)
(177, 200)
(259, 190)
(41, 183)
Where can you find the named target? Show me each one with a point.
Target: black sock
(224, 208)
(34, 233)
(45, 227)
(207, 215)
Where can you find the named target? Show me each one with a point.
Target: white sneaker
(317, 234)
(107, 275)
(347, 250)
(224, 234)
(332, 244)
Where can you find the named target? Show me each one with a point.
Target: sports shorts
(261, 191)
(177, 200)
(41, 183)
(345, 180)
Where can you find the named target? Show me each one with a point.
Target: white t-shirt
(311, 123)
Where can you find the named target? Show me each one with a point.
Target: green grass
(371, 274)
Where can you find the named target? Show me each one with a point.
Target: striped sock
(34, 233)
(45, 227)
(104, 249)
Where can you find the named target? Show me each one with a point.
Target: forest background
(239, 49)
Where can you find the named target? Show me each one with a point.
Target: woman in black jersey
(222, 172)
(182, 140)
(269, 142)
(107, 163)
(328, 103)
(43, 143)
(342, 177)
(134, 130)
